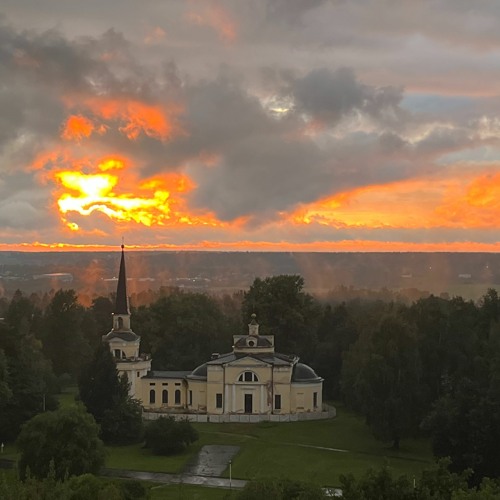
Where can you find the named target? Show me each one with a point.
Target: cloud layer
(211, 123)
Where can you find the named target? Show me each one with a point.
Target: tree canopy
(68, 438)
(284, 310)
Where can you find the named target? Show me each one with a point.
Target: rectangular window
(218, 400)
(165, 383)
(177, 383)
(151, 383)
(315, 400)
(190, 398)
(277, 401)
(138, 374)
(248, 376)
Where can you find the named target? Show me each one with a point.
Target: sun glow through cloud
(153, 202)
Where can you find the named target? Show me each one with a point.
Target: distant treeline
(91, 271)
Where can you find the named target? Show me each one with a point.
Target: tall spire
(121, 306)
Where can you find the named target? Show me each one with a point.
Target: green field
(300, 450)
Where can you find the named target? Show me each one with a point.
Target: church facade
(251, 379)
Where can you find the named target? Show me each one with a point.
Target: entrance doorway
(248, 403)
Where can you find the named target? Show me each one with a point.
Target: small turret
(253, 326)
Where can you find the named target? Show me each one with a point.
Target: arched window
(248, 377)
(177, 397)
(164, 397)
(152, 396)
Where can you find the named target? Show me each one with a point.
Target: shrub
(165, 436)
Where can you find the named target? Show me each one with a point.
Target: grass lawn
(286, 450)
(67, 397)
(136, 457)
(10, 452)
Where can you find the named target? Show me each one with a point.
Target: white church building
(251, 380)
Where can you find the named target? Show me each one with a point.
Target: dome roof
(200, 371)
(304, 373)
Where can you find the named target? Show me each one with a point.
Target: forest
(427, 368)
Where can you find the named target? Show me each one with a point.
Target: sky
(275, 125)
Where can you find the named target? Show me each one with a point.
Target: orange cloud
(457, 201)
(138, 117)
(210, 13)
(154, 120)
(476, 205)
(77, 127)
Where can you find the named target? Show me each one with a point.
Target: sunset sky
(250, 124)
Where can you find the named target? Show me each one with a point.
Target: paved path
(160, 477)
(212, 460)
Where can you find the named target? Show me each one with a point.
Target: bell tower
(123, 342)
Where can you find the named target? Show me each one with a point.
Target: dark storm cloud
(260, 176)
(329, 95)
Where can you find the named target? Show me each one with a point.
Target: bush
(281, 489)
(165, 436)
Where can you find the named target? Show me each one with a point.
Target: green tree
(465, 426)
(61, 333)
(381, 379)
(106, 397)
(281, 489)
(122, 423)
(182, 330)
(437, 483)
(67, 437)
(284, 310)
(84, 487)
(99, 385)
(29, 378)
(336, 332)
(165, 436)
(5, 392)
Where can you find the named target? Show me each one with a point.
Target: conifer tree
(106, 397)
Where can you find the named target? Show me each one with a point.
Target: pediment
(247, 361)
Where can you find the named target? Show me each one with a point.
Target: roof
(261, 341)
(304, 373)
(128, 336)
(121, 306)
(200, 371)
(166, 374)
